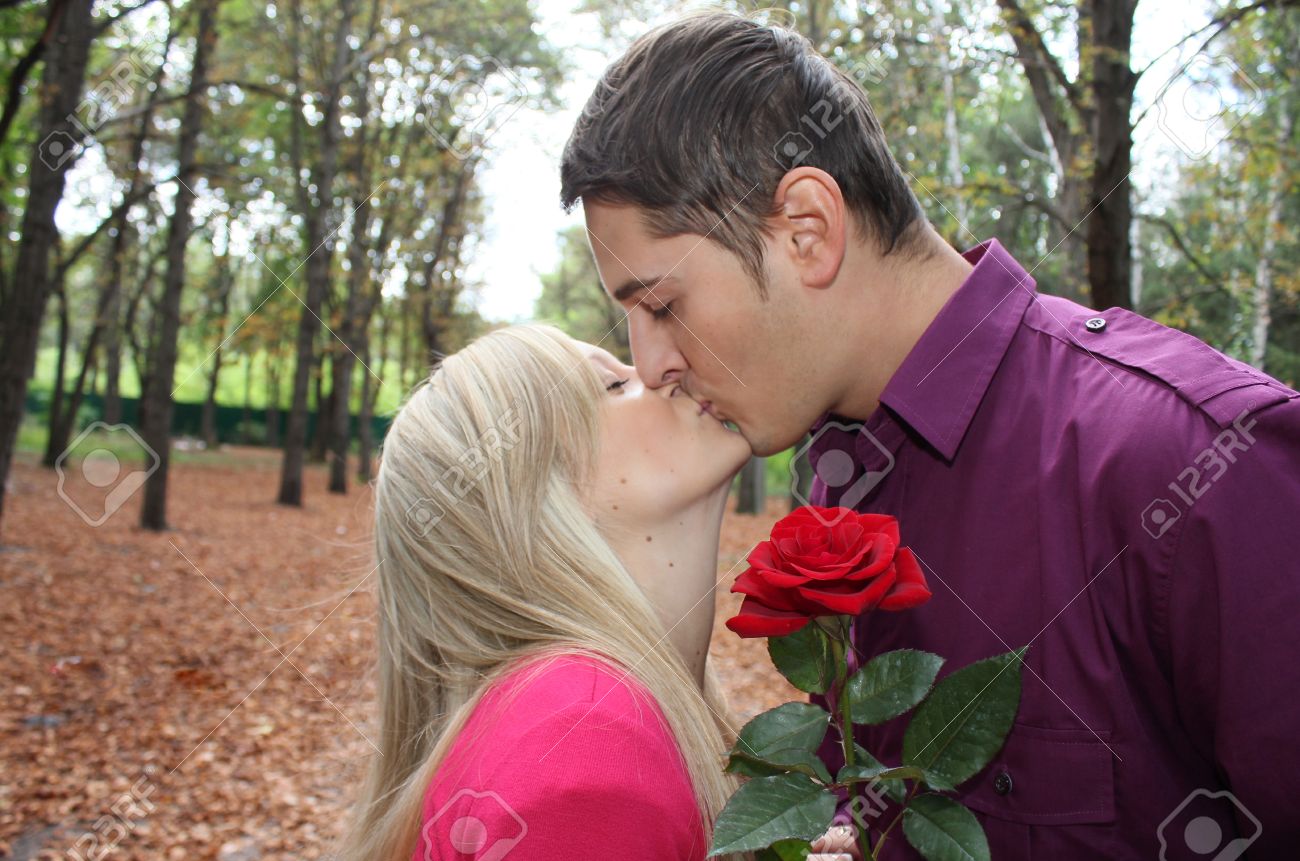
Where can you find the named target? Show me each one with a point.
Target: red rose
(808, 569)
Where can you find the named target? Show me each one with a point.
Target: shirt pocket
(1047, 777)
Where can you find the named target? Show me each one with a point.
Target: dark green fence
(234, 425)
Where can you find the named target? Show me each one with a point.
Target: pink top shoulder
(578, 763)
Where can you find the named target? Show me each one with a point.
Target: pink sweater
(578, 765)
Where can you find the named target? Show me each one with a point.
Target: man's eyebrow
(635, 285)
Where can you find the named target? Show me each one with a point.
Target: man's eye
(616, 385)
(662, 312)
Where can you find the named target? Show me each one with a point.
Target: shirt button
(1002, 783)
(1095, 324)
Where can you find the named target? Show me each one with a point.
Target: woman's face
(659, 451)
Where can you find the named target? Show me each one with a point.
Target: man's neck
(905, 297)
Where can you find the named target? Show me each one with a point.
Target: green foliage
(768, 809)
(573, 299)
(962, 725)
(891, 684)
(957, 728)
(797, 726)
(943, 830)
(804, 658)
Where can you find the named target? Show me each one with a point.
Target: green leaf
(779, 762)
(768, 809)
(800, 726)
(943, 830)
(891, 683)
(963, 723)
(804, 658)
(864, 773)
(785, 850)
(894, 790)
(937, 781)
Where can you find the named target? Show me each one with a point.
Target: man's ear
(810, 224)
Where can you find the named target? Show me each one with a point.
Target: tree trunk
(404, 341)
(272, 401)
(56, 441)
(113, 346)
(1110, 205)
(1262, 291)
(124, 238)
(63, 421)
(246, 418)
(365, 437)
(752, 497)
(320, 437)
(156, 429)
(439, 299)
(339, 419)
(943, 44)
(62, 79)
(225, 284)
(318, 232)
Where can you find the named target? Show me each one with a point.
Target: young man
(1115, 493)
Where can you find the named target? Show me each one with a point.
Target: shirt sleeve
(1233, 618)
(591, 781)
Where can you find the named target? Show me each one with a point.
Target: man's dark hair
(698, 122)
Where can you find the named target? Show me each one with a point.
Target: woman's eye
(616, 385)
(662, 312)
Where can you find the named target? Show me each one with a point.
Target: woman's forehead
(599, 355)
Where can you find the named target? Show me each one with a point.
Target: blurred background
(234, 234)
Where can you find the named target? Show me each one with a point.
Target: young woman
(547, 530)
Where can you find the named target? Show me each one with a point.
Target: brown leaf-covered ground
(204, 693)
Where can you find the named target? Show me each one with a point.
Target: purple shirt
(1126, 499)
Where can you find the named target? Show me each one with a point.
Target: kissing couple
(547, 518)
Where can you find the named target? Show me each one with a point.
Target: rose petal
(764, 555)
(755, 584)
(910, 589)
(847, 597)
(757, 620)
(879, 523)
(781, 579)
(879, 557)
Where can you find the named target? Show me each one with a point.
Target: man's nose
(657, 359)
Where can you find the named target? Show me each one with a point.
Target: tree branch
(1172, 230)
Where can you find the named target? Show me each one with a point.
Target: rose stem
(846, 718)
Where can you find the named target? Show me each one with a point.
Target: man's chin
(763, 444)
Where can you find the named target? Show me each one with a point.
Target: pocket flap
(1047, 777)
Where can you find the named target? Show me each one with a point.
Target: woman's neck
(675, 562)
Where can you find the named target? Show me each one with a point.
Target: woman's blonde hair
(488, 559)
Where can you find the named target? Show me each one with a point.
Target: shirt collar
(943, 379)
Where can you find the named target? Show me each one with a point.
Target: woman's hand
(839, 843)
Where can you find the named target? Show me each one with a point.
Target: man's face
(695, 318)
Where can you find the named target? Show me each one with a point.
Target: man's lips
(705, 405)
